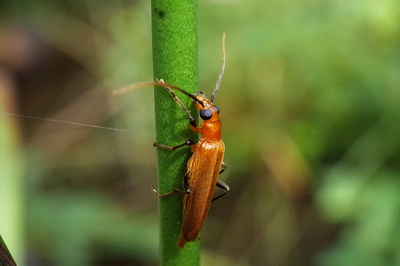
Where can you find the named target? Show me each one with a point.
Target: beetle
(205, 164)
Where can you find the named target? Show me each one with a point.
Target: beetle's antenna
(222, 70)
(168, 88)
(157, 83)
(64, 122)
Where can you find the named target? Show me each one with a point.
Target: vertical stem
(174, 25)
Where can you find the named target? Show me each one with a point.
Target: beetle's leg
(176, 99)
(175, 191)
(186, 189)
(223, 168)
(186, 186)
(186, 143)
(222, 186)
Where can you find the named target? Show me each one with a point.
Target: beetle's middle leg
(188, 142)
(223, 168)
(186, 188)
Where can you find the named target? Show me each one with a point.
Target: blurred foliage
(309, 104)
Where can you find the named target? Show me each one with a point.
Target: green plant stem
(174, 25)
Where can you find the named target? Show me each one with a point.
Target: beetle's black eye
(205, 114)
(216, 109)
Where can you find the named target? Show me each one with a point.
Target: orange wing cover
(202, 174)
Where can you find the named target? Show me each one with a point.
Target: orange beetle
(204, 165)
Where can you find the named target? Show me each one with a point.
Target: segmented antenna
(222, 70)
(64, 122)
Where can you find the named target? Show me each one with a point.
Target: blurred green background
(309, 104)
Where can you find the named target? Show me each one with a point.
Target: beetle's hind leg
(222, 186)
(186, 189)
(175, 191)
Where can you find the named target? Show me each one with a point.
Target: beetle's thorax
(211, 127)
